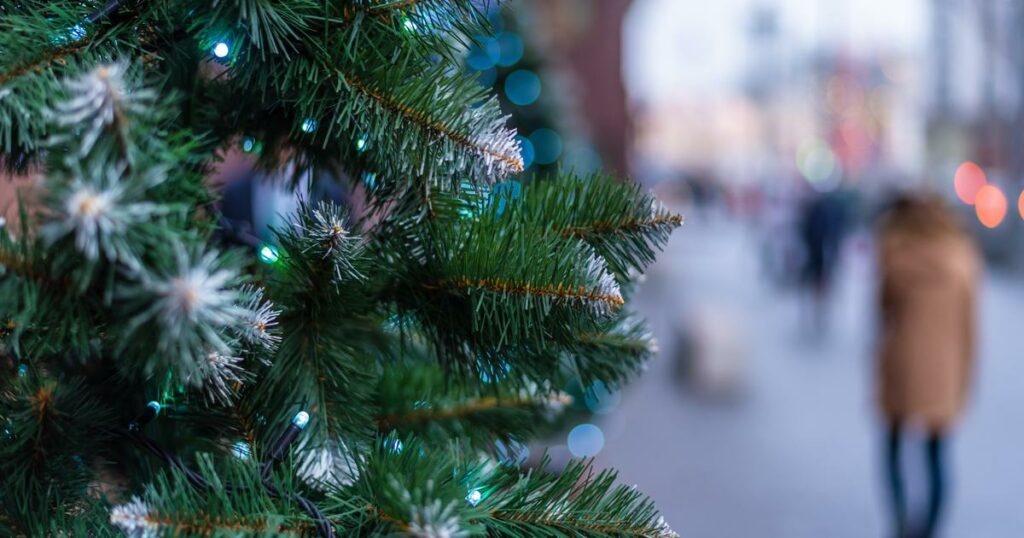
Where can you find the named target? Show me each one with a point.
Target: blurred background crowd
(784, 130)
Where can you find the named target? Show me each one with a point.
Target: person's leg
(937, 474)
(897, 495)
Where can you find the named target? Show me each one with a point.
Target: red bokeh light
(990, 205)
(969, 179)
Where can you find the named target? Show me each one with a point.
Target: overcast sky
(693, 47)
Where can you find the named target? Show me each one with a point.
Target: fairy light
(301, 419)
(221, 50)
(268, 254)
(474, 497)
(308, 125)
(241, 450)
(22, 370)
(361, 144)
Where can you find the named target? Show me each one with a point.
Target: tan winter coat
(928, 323)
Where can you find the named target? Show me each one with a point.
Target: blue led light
(241, 450)
(474, 497)
(23, 370)
(221, 50)
(76, 32)
(308, 125)
(248, 143)
(301, 419)
(155, 406)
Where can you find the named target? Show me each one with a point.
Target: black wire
(104, 12)
(322, 523)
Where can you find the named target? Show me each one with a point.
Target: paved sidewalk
(795, 453)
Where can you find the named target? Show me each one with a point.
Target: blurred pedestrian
(822, 223)
(929, 269)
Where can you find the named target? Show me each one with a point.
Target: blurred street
(789, 442)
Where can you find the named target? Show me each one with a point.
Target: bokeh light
(484, 54)
(817, 163)
(586, 440)
(487, 77)
(525, 150)
(547, 146)
(967, 181)
(522, 87)
(1020, 204)
(990, 206)
(511, 47)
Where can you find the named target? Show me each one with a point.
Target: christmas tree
(363, 374)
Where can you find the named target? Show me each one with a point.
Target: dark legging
(936, 474)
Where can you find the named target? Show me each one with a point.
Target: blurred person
(821, 226)
(929, 269)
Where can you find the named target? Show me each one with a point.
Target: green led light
(268, 254)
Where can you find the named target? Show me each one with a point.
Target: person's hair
(921, 215)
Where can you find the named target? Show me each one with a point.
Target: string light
(474, 497)
(241, 450)
(308, 125)
(361, 144)
(221, 50)
(301, 419)
(268, 254)
(248, 143)
(22, 370)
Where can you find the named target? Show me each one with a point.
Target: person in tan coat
(929, 269)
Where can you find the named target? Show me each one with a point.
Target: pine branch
(420, 400)
(573, 502)
(514, 162)
(44, 61)
(468, 408)
(623, 224)
(556, 292)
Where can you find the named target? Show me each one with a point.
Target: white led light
(301, 419)
(221, 50)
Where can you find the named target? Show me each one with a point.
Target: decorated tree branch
(365, 372)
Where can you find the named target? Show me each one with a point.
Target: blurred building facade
(585, 38)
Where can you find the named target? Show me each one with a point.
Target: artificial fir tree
(370, 379)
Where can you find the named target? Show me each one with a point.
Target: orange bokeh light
(969, 179)
(990, 205)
